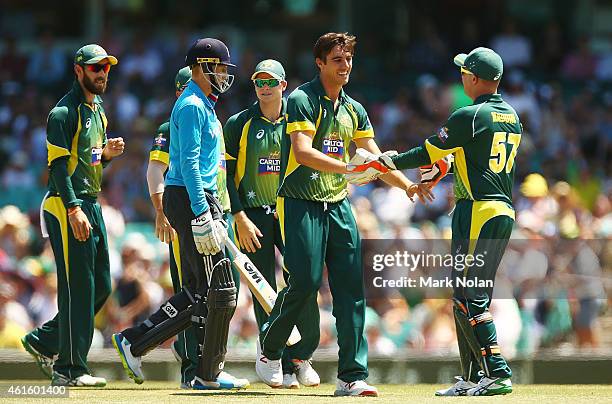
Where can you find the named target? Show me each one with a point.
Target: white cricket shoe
(458, 389)
(224, 381)
(132, 364)
(305, 373)
(290, 381)
(269, 371)
(81, 381)
(356, 388)
(491, 387)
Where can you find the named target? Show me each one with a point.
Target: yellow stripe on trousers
(482, 212)
(176, 251)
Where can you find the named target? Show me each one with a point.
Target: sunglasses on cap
(260, 83)
(97, 67)
(466, 71)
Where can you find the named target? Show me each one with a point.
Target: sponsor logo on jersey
(269, 164)
(259, 134)
(88, 123)
(96, 156)
(443, 134)
(160, 140)
(333, 146)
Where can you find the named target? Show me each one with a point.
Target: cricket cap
(481, 62)
(182, 78)
(92, 54)
(272, 67)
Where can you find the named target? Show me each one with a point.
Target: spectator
(514, 48)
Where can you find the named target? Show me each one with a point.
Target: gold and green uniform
(318, 228)
(76, 136)
(309, 109)
(187, 344)
(484, 139)
(253, 145)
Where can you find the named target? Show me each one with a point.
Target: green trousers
(83, 285)
(317, 233)
(186, 345)
(265, 261)
(481, 229)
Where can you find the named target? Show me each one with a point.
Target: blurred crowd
(562, 92)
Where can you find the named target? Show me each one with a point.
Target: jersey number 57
(498, 159)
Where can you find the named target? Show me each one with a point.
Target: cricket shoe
(132, 364)
(44, 363)
(356, 388)
(458, 389)
(305, 373)
(269, 371)
(81, 381)
(491, 387)
(290, 381)
(224, 381)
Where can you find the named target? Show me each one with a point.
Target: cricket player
(207, 299)
(77, 149)
(484, 139)
(253, 144)
(317, 224)
(186, 347)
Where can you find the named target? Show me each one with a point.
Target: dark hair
(328, 41)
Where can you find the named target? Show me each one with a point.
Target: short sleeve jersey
(253, 145)
(309, 109)
(484, 139)
(77, 131)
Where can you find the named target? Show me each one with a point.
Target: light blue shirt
(195, 146)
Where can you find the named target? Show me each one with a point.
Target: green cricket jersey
(309, 109)
(160, 151)
(484, 138)
(253, 152)
(76, 131)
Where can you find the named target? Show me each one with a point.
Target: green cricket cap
(270, 66)
(92, 54)
(182, 78)
(482, 62)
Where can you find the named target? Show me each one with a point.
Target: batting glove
(433, 173)
(365, 167)
(206, 234)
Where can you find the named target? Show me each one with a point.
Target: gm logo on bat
(254, 274)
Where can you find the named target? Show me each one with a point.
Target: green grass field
(163, 392)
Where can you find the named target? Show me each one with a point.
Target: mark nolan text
(429, 282)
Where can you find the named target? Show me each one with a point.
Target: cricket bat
(263, 292)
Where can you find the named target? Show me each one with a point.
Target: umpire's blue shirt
(195, 146)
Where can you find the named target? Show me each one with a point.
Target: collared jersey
(253, 150)
(160, 152)
(77, 131)
(309, 109)
(196, 146)
(484, 139)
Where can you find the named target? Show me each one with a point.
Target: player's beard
(97, 86)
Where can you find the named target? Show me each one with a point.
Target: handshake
(365, 167)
